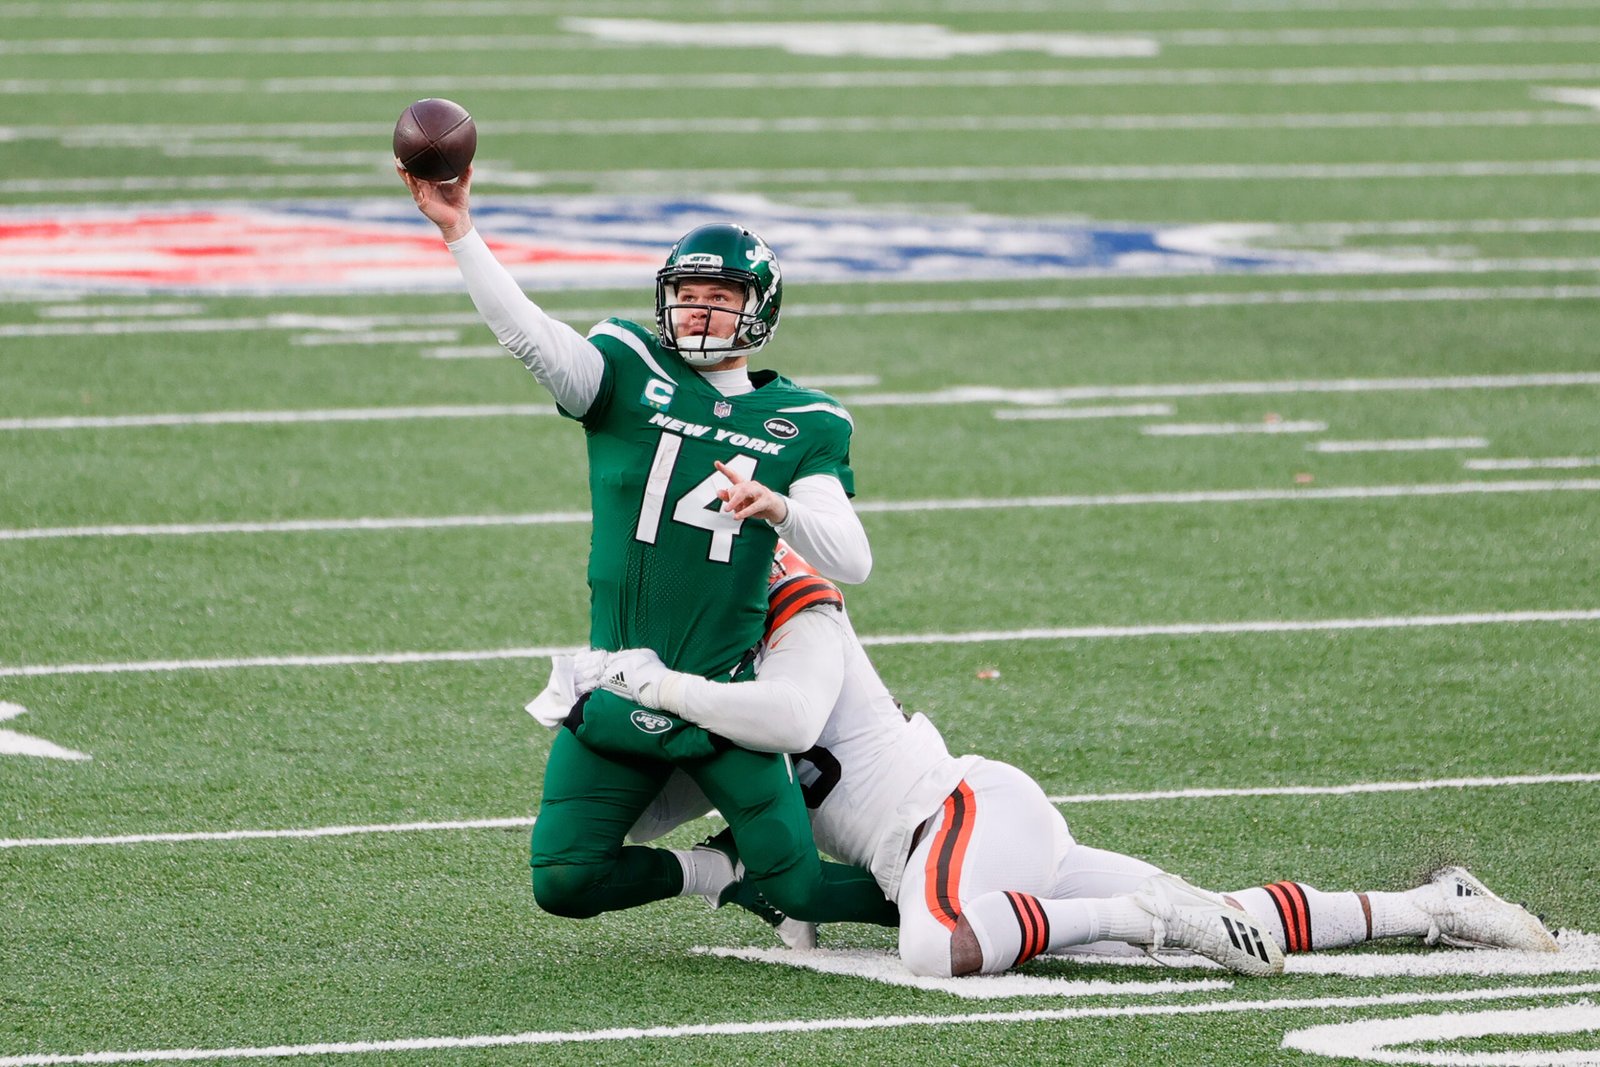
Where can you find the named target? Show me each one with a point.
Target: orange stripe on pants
(948, 852)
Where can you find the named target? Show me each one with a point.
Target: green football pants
(581, 867)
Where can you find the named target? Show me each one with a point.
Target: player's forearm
(785, 708)
(824, 528)
(559, 356)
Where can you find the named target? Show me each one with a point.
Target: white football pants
(996, 833)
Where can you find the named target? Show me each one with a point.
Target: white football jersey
(875, 774)
(871, 774)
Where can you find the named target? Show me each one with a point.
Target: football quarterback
(696, 466)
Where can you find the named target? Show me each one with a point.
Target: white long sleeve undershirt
(561, 358)
(785, 708)
(825, 529)
(821, 524)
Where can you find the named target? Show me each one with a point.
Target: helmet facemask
(704, 349)
(732, 256)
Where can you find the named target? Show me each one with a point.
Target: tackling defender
(678, 558)
(982, 866)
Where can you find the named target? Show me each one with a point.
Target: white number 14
(700, 507)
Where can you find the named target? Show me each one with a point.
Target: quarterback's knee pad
(770, 847)
(567, 890)
(796, 893)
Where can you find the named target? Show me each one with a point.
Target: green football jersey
(667, 569)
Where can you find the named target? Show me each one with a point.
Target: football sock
(1303, 919)
(1393, 914)
(1012, 928)
(706, 871)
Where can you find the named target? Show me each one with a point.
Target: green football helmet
(728, 253)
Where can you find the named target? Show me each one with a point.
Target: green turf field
(1314, 547)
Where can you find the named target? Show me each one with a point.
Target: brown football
(435, 139)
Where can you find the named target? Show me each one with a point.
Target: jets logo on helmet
(713, 254)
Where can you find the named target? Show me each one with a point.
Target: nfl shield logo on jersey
(722, 409)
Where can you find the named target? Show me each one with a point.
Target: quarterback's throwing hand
(745, 499)
(446, 204)
(634, 674)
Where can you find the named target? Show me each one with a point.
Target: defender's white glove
(586, 668)
(570, 678)
(635, 674)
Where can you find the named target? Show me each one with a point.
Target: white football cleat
(795, 933)
(1465, 914)
(1190, 918)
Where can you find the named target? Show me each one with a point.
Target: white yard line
(287, 662)
(301, 833)
(734, 178)
(1091, 633)
(1227, 429)
(116, 311)
(1063, 633)
(1006, 305)
(1580, 954)
(884, 967)
(775, 81)
(1185, 38)
(1234, 496)
(250, 324)
(500, 9)
(298, 46)
(273, 418)
(213, 183)
(376, 337)
(1553, 463)
(1034, 400)
(203, 529)
(1062, 414)
(1402, 1040)
(1354, 789)
(269, 835)
(805, 1026)
(1303, 494)
(122, 135)
(988, 394)
(1191, 301)
(1370, 35)
(1420, 444)
(841, 381)
(465, 352)
(1413, 227)
(1132, 172)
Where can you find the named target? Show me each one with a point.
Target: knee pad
(769, 847)
(567, 889)
(796, 893)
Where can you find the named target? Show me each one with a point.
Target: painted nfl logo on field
(596, 242)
